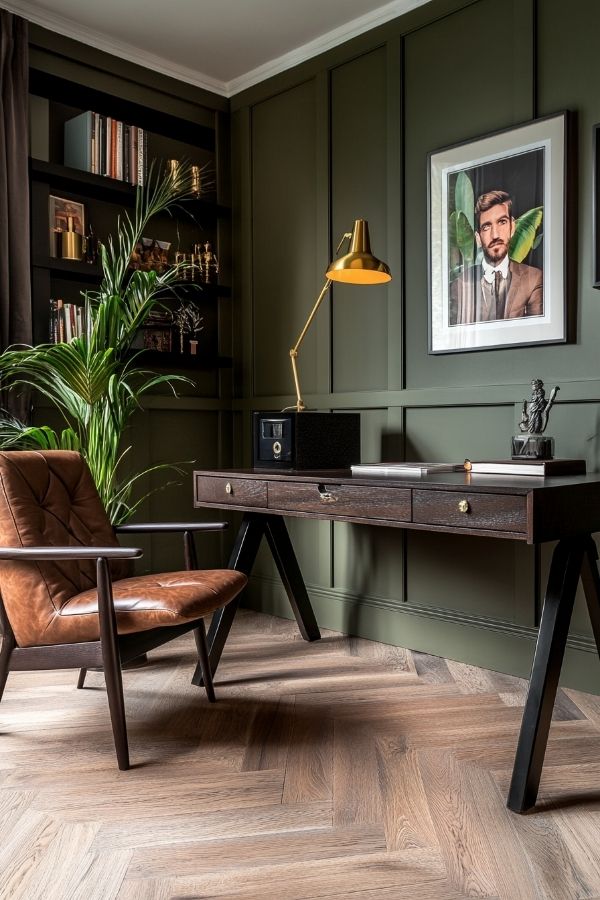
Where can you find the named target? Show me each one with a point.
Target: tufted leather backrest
(48, 499)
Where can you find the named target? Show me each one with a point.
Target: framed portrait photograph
(498, 239)
(59, 211)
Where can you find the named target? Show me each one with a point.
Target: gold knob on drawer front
(228, 488)
(463, 506)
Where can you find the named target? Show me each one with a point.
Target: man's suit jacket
(469, 303)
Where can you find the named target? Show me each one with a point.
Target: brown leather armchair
(66, 600)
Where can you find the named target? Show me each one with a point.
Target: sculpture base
(532, 446)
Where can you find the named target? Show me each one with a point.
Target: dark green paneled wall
(347, 135)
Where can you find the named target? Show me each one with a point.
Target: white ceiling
(222, 45)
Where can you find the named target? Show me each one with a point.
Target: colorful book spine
(141, 156)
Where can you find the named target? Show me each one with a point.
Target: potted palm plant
(95, 381)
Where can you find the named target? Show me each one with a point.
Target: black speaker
(305, 440)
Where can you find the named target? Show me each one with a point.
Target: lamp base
(288, 441)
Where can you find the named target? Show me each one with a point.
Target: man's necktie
(499, 294)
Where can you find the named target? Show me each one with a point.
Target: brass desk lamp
(358, 266)
(296, 439)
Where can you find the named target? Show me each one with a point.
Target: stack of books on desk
(543, 467)
(540, 467)
(398, 470)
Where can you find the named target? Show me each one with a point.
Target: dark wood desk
(526, 508)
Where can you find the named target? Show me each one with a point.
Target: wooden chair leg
(203, 656)
(8, 644)
(81, 679)
(112, 663)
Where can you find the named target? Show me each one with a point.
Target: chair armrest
(57, 553)
(149, 527)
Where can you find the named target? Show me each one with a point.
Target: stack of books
(398, 470)
(67, 321)
(105, 146)
(543, 467)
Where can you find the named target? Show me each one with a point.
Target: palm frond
(94, 381)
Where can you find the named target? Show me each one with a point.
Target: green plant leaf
(465, 238)
(92, 381)
(452, 239)
(524, 235)
(464, 198)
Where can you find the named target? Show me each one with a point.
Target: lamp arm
(294, 350)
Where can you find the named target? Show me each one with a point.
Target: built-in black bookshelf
(195, 221)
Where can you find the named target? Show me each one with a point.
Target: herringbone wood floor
(343, 769)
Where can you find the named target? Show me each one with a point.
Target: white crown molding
(325, 42)
(69, 28)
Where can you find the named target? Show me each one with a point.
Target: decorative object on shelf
(66, 218)
(92, 381)
(531, 443)
(158, 339)
(331, 438)
(155, 255)
(60, 210)
(91, 246)
(187, 320)
(196, 181)
(497, 239)
(173, 166)
(71, 242)
(157, 333)
(209, 265)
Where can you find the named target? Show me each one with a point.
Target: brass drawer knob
(228, 488)
(463, 506)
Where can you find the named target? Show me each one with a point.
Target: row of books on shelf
(67, 321)
(104, 146)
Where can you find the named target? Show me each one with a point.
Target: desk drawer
(496, 512)
(230, 491)
(341, 500)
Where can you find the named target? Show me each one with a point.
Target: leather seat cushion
(147, 601)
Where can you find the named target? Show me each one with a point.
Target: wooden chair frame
(112, 651)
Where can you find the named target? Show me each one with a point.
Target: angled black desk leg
(242, 558)
(565, 570)
(287, 565)
(247, 542)
(591, 587)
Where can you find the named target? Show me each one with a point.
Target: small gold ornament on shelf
(209, 265)
(188, 320)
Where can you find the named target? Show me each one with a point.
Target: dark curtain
(15, 273)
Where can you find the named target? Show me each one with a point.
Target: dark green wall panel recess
(473, 575)
(358, 189)
(347, 134)
(284, 209)
(457, 433)
(369, 561)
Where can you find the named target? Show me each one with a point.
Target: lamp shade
(359, 266)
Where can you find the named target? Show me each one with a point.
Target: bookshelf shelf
(103, 199)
